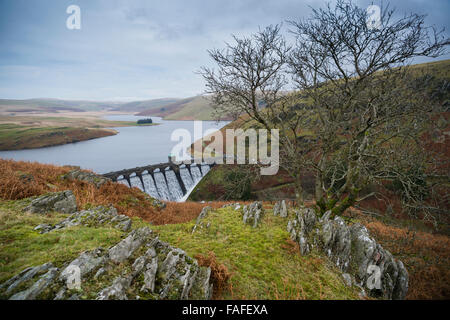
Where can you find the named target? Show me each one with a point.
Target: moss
(22, 247)
(261, 268)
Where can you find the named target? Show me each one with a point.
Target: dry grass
(19, 180)
(219, 273)
(425, 255)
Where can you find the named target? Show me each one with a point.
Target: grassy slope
(264, 265)
(197, 109)
(139, 106)
(21, 247)
(193, 108)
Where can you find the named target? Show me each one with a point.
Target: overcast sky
(137, 49)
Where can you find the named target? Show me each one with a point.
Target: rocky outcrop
(364, 262)
(86, 176)
(138, 267)
(63, 202)
(201, 216)
(280, 209)
(300, 228)
(23, 277)
(253, 213)
(99, 216)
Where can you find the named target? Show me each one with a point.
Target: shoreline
(57, 137)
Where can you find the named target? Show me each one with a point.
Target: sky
(137, 49)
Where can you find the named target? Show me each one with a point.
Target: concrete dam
(165, 181)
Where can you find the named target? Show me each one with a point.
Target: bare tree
(250, 81)
(366, 107)
(356, 106)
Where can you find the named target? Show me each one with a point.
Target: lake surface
(131, 147)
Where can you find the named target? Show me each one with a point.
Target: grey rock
(86, 176)
(336, 241)
(99, 273)
(63, 202)
(117, 291)
(150, 275)
(168, 267)
(25, 275)
(125, 248)
(301, 227)
(87, 262)
(158, 271)
(98, 216)
(363, 249)
(61, 294)
(198, 224)
(44, 228)
(236, 206)
(401, 285)
(38, 287)
(364, 262)
(280, 209)
(347, 279)
(253, 213)
(326, 216)
(203, 213)
(205, 288)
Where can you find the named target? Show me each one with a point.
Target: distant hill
(139, 106)
(193, 108)
(53, 105)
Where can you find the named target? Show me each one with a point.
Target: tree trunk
(318, 188)
(298, 190)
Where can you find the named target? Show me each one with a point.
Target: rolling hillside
(138, 106)
(193, 108)
(52, 105)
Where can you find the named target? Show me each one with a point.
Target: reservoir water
(131, 147)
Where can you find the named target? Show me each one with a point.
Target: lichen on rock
(253, 213)
(93, 217)
(63, 202)
(364, 262)
(138, 266)
(198, 223)
(86, 176)
(280, 209)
